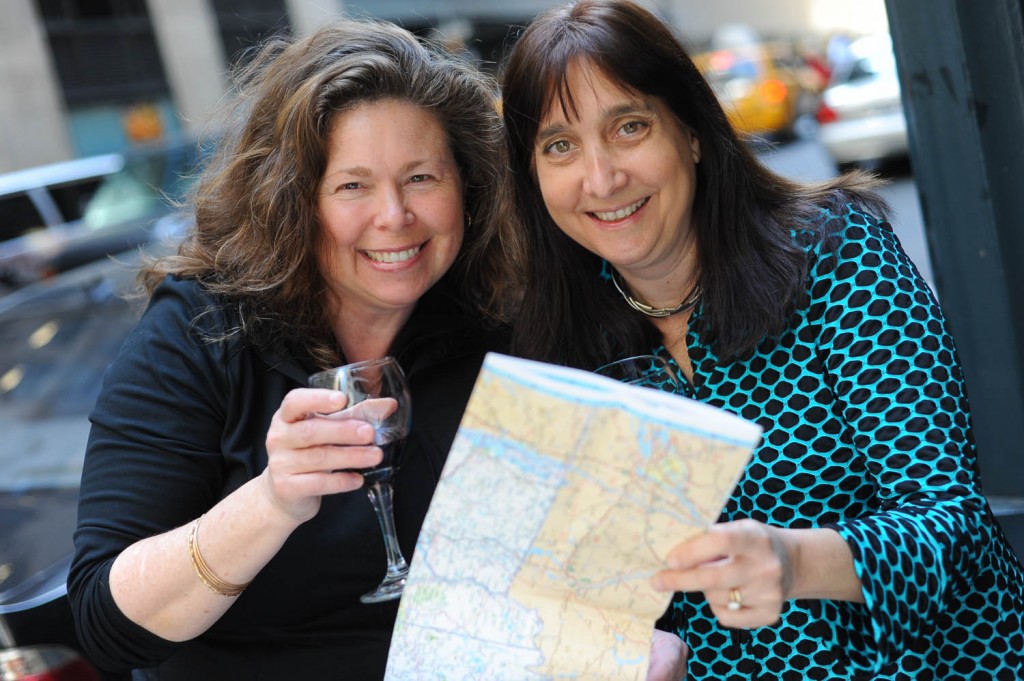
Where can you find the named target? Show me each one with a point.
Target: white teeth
(393, 256)
(621, 213)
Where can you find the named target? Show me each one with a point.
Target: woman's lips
(621, 213)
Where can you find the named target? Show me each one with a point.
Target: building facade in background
(85, 77)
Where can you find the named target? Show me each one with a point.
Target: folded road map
(561, 497)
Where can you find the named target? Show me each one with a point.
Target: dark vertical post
(962, 71)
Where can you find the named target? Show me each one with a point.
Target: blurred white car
(60, 216)
(861, 115)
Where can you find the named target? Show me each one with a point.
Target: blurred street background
(86, 77)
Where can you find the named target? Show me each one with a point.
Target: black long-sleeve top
(181, 423)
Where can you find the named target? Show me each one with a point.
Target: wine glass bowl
(646, 370)
(377, 393)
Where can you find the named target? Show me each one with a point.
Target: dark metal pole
(961, 67)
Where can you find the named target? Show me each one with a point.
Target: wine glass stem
(380, 497)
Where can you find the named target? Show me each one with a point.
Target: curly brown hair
(256, 233)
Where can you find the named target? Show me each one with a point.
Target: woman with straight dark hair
(858, 543)
(354, 210)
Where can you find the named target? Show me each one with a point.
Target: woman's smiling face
(390, 206)
(618, 175)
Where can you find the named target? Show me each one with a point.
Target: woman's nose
(392, 213)
(603, 177)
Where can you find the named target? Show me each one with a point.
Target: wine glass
(647, 370)
(377, 393)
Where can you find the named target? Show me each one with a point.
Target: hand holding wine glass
(378, 394)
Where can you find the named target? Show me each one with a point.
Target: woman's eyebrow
(552, 130)
(632, 107)
(637, 106)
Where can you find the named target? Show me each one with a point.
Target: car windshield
(100, 191)
(61, 221)
(870, 58)
(725, 66)
(727, 70)
(145, 186)
(733, 74)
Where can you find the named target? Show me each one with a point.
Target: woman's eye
(632, 127)
(349, 186)
(419, 178)
(558, 147)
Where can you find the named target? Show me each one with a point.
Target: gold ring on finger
(735, 600)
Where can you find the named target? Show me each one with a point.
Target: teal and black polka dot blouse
(867, 431)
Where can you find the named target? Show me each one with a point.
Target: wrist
(788, 549)
(822, 565)
(277, 514)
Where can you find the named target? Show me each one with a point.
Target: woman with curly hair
(354, 210)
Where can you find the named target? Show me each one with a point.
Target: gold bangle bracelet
(212, 581)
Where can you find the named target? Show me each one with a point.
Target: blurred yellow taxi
(760, 95)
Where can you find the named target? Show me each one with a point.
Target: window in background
(244, 23)
(103, 50)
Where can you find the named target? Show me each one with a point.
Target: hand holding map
(561, 497)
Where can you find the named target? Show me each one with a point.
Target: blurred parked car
(760, 91)
(59, 216)
(861, 117)
(57, 338)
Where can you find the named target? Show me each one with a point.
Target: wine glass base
(389, 590)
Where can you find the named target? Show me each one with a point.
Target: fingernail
(365, 432)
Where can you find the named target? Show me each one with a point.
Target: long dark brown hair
(257, 228)
(751, 268)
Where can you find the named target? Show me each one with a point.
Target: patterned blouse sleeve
(891, 363)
